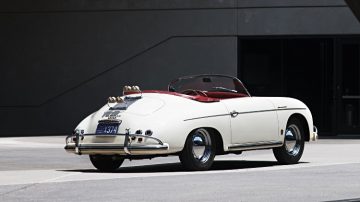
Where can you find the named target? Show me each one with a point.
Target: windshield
(208, 83)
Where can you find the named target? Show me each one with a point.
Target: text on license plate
(107, 128)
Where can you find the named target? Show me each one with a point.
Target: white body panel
(256, 120)
(289, 106)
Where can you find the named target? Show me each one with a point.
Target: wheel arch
(304, 123)
(216, 136)
(219, 143)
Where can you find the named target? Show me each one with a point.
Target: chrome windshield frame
(171, 88)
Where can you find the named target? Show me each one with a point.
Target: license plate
(107, 128)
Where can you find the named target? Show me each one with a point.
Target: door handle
(234, 113)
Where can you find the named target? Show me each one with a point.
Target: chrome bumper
(314, 134)
(117, 149)
(120, 144)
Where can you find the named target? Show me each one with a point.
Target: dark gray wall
(60, 60)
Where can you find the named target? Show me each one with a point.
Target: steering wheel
(193, 92)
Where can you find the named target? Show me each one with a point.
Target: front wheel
(199, 151)
(106, 163)
(293, 147)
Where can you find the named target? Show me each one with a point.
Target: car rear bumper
(117, 149)
(120, 144)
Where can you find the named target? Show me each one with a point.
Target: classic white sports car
(197, 118)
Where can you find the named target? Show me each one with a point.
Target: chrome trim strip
(110, 121)
(206, 117)
(282, 109)
(271, 110)
(249, 112)
(255, 145)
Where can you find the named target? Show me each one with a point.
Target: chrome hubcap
(292, 140)
(201, 145)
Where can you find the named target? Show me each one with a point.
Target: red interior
(211, 96)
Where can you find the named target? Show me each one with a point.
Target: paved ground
(38, 169)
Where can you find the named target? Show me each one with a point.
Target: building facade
(60, 60)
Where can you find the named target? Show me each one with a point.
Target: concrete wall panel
(176, 57)
(297, 21)
(60, 60)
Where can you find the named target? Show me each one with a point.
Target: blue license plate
(107, 128)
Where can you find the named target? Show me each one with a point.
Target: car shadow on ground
(177, 167)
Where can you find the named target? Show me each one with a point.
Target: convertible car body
(197, 118)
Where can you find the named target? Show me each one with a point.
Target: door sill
(255, 145)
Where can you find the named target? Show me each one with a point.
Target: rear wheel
(106, 162)
(199, 150)
(293, 146)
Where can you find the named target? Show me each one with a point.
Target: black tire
(106, 163)
(199, 150)
(292, 149)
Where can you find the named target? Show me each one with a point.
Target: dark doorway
(348, 86)
(301, 68)
(261, 66)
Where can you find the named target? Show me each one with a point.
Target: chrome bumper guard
(127, 148)
(314, 135)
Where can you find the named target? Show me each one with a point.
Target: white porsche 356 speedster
(197, 118)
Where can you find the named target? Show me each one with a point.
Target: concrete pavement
(38, 169)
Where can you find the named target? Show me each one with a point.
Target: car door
(253, 120)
